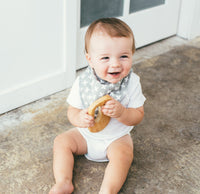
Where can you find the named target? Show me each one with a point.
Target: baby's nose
(116, 63)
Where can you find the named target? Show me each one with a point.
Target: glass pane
(92, 10)
(137, 5)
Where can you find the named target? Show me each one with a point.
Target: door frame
(189, 19)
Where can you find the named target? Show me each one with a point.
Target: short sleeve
(74, 95)
(137, 98)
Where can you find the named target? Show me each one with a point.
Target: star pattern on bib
(92, 87)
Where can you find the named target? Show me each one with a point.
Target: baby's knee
(66, 141)
(60, 141)
(57, 141)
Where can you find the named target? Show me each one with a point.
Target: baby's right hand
(85, 119)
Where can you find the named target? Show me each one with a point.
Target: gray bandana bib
(92, 87)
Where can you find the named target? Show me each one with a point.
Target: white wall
(189, 20)
(35, 59)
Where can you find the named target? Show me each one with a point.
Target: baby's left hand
(113, 108)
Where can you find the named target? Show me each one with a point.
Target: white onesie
(97, 143)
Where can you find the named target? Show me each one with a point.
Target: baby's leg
(65, 145)
(120, 155)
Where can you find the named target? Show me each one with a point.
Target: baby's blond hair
(113, 27)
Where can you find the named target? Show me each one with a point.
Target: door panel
(34, 58)
(156, 23)
(136, 5)
(92, 10)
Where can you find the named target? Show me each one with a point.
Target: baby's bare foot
(62, 188)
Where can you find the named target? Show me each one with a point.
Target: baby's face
(111, 57)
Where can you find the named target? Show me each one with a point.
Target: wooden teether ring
(101, 120)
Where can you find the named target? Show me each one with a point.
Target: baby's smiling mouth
(114, 73)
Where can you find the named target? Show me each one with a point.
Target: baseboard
(23, 94)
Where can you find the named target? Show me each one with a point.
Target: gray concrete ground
(167, 142)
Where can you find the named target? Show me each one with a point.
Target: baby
(109, 47)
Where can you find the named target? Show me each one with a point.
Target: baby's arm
(127, 116)
(80, 117)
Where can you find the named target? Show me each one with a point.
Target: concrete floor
(167, 142)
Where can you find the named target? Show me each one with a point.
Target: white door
(35, 59)
(150, 20)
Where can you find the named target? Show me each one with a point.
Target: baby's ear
(88, 59)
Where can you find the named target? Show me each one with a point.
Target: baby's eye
(124, 56)
(105, 58)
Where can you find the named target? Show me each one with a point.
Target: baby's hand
(85, 119)
(113, 108)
